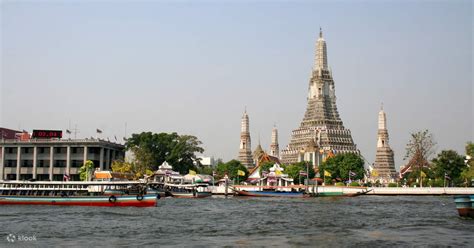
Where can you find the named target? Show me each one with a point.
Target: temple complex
(321, 132)
(384, 166)
(245, 151)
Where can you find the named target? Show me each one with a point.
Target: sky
(192, 67)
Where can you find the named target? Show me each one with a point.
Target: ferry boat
(94, 193)
(465, 205)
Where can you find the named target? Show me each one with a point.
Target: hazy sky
(192, 67)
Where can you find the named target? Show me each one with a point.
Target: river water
(373, 221)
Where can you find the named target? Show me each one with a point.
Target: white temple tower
(245, 152)
(274, 146)
(321, 123)
(384, 165)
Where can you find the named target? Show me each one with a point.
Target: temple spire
(321, 60)
(245, 152)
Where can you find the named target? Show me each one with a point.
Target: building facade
(384, 165)
(51, 159)
(321, 123)
(245, 151)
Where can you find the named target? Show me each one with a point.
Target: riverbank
(372, 190)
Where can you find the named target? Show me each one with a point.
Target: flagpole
(444, 181)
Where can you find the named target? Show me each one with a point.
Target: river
(365, 221)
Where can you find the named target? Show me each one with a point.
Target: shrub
(392, 185)
(355, 184)
(340, 184)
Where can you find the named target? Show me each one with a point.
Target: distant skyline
(192, 68)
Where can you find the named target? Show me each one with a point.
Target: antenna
(75, 130)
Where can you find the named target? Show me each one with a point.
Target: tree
(152, 149)
(340, 165)
(206, 170)
(85, 172)
(468, 172)
(266, 166)
(419, 149)
(132, 168)
(231, 168)
(450, 163)
(293, 171)
(182, 156)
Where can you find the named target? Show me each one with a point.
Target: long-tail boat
(465, 205)
(195, 190)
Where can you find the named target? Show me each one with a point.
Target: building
(245, 151)
(51, 159)
(321, 123)
(6, 133)
(207, 161)
(273, 177)
(274, 146)
(384, 165)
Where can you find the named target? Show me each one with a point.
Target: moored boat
(465, 205)
(269, 193)
(97, 201)
(197, 190)
(94, 193)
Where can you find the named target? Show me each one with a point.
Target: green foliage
(340, 184)
(392, 185)
(266, 166)
(85, 172)
(449, 162)
(354, 184)
(231, 169)
(206, 170)
(467, 174)
(414, 177)
(293, 171)
(340, 165)
(152, 149)
(122, 167)
(132, 168)
(328, 181)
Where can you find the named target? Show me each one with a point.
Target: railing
(5, 141)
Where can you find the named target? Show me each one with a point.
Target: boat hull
(269, 193)
(191, 195)
(465, 205)
(93, 201)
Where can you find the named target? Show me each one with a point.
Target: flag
(352, 174)
(240, 173)
(423, 174)
(327, 173)
(303, 173)
(446, 176)
(98, 130)
(374, 173)
(277, 172)
(191, 172)
(68, 131)
(66, 177)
